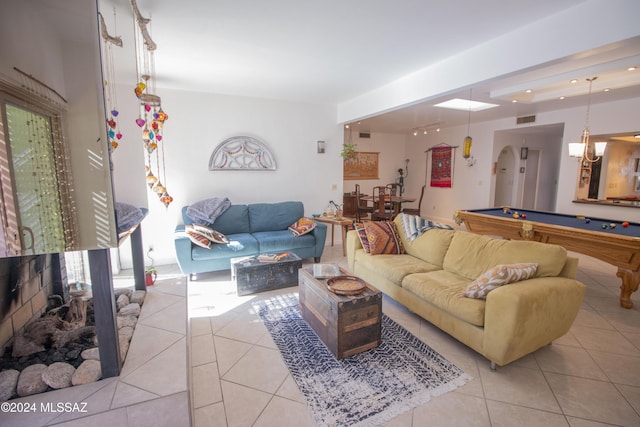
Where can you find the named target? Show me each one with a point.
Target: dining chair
(380, 210)
(394, 189)
(415, 211)
(362, 206)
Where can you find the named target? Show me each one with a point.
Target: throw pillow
(362, 235)
(203, 236)
(497, 276)
(383, 238)
(198, 239)
(302, 226)
(209, 233)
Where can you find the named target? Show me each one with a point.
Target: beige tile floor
(152, 388)
(589, 377)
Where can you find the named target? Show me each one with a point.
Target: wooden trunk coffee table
(345, 324)
(252, 275)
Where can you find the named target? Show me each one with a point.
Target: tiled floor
(152, 387)
(590, 377)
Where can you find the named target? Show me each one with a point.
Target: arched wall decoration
(242, 153)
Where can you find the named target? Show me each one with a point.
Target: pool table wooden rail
(615, 249)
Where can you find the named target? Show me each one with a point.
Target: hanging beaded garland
(113, 130)
(151, 117)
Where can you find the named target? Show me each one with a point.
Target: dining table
(395, 201)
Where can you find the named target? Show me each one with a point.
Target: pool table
(619, 245)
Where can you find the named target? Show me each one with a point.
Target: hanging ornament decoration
(151, 116)
(113, 130)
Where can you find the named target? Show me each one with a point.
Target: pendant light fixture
(582, 149)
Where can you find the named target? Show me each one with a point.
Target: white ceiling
(334, 50)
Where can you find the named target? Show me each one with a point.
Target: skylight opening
(465, 105)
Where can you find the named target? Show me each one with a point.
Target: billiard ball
(523, 216)
(612, 225)
(587, 220)
(625, 224)
(515, 215)
(604, 226)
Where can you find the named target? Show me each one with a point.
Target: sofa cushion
(302, 226)
(241, 244)
(431, 246)
(470, 255)
(393, 267)
(275, 241)
(497, 276)
(274, 216)
(232, 221)
(383, 238)
(442, 289)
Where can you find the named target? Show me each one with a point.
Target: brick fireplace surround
(25, 285)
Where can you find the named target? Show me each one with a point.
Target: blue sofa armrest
(183, 249)
(320, 234)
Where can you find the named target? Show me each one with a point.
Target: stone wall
(25, 286)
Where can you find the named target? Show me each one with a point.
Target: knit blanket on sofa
(414, 226)
(206, 211)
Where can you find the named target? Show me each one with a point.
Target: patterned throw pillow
(383, 238)
(203, 236)
(302, 226)
(213, 235)
(362, 235)
(497, 276)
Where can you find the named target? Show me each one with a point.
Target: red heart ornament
(140, 122)
(159, 137)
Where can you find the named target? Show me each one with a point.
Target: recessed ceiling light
(574, 81)
(631, 68)
(515, 101)
(606, 89)
(465, 105)
(528, 91)
(346, 126)
(562, 97)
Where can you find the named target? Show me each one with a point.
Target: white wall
(197, 123)
(391, 158)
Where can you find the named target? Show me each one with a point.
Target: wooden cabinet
(349, 204)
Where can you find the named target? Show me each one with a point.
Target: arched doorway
(505, 168)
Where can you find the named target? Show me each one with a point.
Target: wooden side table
(344, 224)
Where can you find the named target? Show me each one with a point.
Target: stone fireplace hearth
(48, 333)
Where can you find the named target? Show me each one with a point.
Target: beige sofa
(514, 320)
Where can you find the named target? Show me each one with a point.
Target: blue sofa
(251, 229)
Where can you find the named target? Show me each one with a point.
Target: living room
(199, 121)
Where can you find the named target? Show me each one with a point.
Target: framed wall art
(363, 166)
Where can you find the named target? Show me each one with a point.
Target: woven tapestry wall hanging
(441, 166)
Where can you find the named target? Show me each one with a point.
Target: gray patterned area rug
(366, 389)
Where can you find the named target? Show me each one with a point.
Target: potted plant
(150, 274)
(348, 151)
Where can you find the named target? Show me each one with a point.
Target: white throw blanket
(414, 226)
(206, 211)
